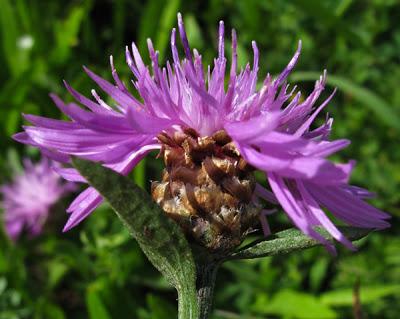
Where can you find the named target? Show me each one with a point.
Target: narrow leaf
(291, 240)
(9, 34)
(166, 23)
(160, 238)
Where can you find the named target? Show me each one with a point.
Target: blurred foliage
(97, 271)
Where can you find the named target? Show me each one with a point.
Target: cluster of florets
(27, 200)
(269, 129)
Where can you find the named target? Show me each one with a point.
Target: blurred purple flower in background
(28, 198)
(270, 128)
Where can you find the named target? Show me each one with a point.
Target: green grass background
(96, 270)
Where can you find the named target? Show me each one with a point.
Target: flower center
(207, 187)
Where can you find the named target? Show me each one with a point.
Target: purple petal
(350, 209)
(82, 207)
(317, 170)
(130, 161)
(292, 63)
(14, 229)
(24, 138)
(121, 98)
(255, 127)
(325, 148)
(94, 107)
(50, 123)
(360, 192)
(185, 42)
(265, 194)
(98, 122)
(264, 222)
(70, 174)
(71, 141)
(306, 125)
(264, 162)
(294, 210)
(319, 214)
(146, 124)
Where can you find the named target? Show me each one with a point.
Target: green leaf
(291, 240)
(66, 34)
(12, 122)
(56, 271)
(157, 20)
(14, 161)
(159, 308)
(160, 238)
(46, 309)
(168, 19)
(147, 25)
(317, 9)
(293, 304)
(139, 174)
(194, 31)
(318, 272)
(9, 36)
(95, 305)
(344, 297)
(375, 103)
(342, 7)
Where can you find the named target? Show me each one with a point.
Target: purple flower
(270, 127)
(28, 199)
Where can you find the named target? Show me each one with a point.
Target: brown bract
(207, 187)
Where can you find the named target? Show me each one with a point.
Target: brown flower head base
(207, 187)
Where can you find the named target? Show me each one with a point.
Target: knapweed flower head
(27, 200)
(211, 137)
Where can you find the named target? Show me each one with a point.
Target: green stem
(187, 304)
(199, 307)
(206, 276)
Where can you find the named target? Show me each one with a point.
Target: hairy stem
(187, 305)
(199, 307)
(206, 276)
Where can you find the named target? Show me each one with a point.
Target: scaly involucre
(28, 198)
(270, 127)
